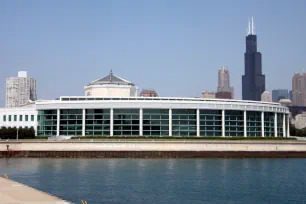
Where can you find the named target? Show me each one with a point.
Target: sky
(173, 46)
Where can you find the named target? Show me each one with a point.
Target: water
(164, 180)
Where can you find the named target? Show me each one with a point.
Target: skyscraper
(299, 89)
(224, 87)
(253, 81)
(19, 90)
(279, 94)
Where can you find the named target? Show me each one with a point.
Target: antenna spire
(253, 27)
(249, 27)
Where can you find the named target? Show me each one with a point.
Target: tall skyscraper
(224, 89)
(19, 90)
(299, 89)
(253, 81)
(279, 94)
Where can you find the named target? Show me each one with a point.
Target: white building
(266, 96)
(111, 86)
(300, 121)
(19, 90)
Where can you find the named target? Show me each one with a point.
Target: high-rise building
(148, 93)
(253, 81)
(19, 90)
(279, 94)
(206, 94)
(299, 89)
(266, 96)
(224, 84)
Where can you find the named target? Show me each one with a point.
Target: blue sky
(173, 46)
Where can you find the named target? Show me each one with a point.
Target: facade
(299, 89)
(148, 93)
(151, 116)
(224, 95)
(224, 84)
(207, 94)
(20, 90)
(253, 81)
(279, 94)
(266, 96)
(111, 86)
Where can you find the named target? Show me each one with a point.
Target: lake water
(164, 180)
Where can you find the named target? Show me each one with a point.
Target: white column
(245, 123)
(263, 124)
(275, 124)
(288, 126)
(284, 125)
(223, 123)
(141, 122)
(83, 122)
(58, 122)
(170, 122)
(198, 122)
(111, 122)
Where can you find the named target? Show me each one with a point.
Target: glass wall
(71, 122)
(254, 123)
(280, 124)
(210, 122)
(234, 123)
(126, 122)
(184, 122)
(156, 122)
(47, 123)
(97, 122)
(269, 124)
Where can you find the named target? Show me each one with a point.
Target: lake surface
(164, 180)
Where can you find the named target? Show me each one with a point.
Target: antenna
(249, 27)
(253, 27)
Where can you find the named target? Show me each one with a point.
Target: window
(26, 118)
(15, 117)
(32, 117)
(20, 117)
(10, 118)
(4, 118)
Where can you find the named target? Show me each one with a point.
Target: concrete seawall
(153, 149)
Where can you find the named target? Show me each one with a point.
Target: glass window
(4, 118)
(234, 123)
(32, 117)
(184, 122)
(154, 123)
(210, 123)
(20, 117)
(15, 117)
(10, 118)
(26, 118)
(47, 125)
(126, 122)
(97, 122)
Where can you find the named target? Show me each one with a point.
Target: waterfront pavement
(12, 192)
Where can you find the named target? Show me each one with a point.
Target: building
(148, 93)
(206, 94)
(253, 81)
(300, 121)
(290, 95)
(151, 116)
(20, 90)
(224, 95)
(299, 89)
(279, 94)
(111, 86)
(224, 84)
(266, 96)
(285, 102)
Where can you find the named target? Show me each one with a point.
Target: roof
(111, 79)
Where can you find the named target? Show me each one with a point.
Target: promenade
(12, 192)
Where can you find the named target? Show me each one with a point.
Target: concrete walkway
(12, 192)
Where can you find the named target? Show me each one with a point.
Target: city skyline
(155, 49)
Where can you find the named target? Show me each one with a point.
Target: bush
(11, 133)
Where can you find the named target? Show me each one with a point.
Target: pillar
(170, 122)
(111, 122)
(83, 122)
(275, 125)
(284, 125)
(223, 123)
(198, 122)
(288, 126)
(263, 124)
(141, 122)
(58, 122)
(245, 123)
